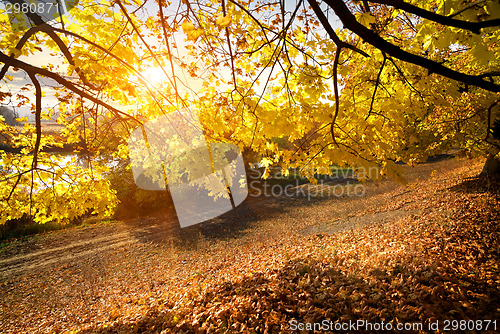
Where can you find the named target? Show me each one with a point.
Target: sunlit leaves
(223, 21)
(58, 190)
(366, 19)
(191, 32)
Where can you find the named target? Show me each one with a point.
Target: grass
(26, 229)
(19, 229)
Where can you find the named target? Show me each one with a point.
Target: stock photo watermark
(361, 325)
(296, 189)
(24, 14)
(206, 179)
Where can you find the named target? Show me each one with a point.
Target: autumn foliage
(442, 264)
(299, 87)
(378, 83)
(437, 261)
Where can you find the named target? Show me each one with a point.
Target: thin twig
(336, 90)
(377, 82)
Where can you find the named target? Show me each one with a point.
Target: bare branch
(333, 36)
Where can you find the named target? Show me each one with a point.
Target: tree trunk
(492, 165)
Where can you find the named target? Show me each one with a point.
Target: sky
(43, 58)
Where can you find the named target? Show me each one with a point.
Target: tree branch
(121, 61)
(38, 116)
(30, 32)
(474, 27)
(64, 49)
(162, 20)
(376, 86)
(125, 12)
(46, 73)
(38, 125)
(369, 36)
(333, 36)
(49, 30)
(226, 29)
(475, 3)
(488, 128)
(336, 91)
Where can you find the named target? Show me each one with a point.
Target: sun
(154, 75)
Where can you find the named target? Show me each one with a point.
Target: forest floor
(419, 253)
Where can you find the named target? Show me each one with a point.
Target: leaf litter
(439, 261)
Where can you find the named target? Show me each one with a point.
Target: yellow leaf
(365, 19)
(223, 21)
(191, 32)
(187, 26)
(301, 37)
(16, 52)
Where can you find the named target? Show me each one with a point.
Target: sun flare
(154, 75)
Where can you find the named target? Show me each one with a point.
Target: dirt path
(75, 244)
(26, 256)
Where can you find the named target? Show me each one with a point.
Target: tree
(400, 81)
(9, 115)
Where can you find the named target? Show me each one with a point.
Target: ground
(422, 252)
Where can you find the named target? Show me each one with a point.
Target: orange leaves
(438, 261)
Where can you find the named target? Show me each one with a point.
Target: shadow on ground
(163, 225)
(443, 282)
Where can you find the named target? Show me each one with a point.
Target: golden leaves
(438, 263)
(191, 31)
(223, 21)
(366, 19)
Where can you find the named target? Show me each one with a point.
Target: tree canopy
(302, 84)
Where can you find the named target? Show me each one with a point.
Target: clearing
(384, 255)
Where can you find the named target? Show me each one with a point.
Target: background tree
(9, 115)
(401, 80)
